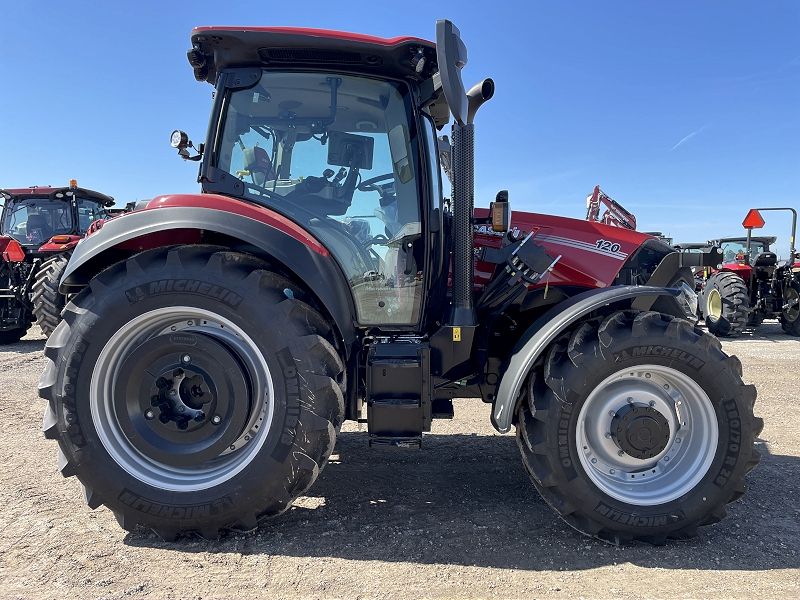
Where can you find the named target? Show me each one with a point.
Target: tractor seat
(258, 162)
(39, 222)
(765, 259)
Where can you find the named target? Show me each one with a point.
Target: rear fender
(548, 327)
(302, 255)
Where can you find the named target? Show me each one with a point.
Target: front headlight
(688, 301)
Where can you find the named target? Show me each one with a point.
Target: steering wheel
(375, 239)
(370, 185)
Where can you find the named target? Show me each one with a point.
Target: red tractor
(751, 284)
(40, 228)
(199, 382)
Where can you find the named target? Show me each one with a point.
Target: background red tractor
(752, 284)
(40, 226)
(217, 341)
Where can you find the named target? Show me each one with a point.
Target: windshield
(730, 250)
(88, 212)
(33, 222)
(338, 154)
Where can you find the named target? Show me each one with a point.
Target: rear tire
(246, 403)
(725, 304)
(48, 302)
(790, 317)
(666, 468)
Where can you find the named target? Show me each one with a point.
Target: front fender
(306, 258)
(547, 328)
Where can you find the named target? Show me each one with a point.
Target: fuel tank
(591, 253)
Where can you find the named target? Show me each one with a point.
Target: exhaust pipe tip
(477, 95)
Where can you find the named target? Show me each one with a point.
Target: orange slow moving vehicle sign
(753, 220)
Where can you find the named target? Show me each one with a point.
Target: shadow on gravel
(769, 331)
(466, 500)
(24, 346)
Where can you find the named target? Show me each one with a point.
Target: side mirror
(451, 55)
(500, 212)
(182, 143)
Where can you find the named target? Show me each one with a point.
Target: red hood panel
(591, 253)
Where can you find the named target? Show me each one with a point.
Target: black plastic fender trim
(546, 329)
(321, 274)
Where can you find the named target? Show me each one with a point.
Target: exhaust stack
(452, 57)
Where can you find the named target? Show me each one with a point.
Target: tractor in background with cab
(40, 226)
(751, 284)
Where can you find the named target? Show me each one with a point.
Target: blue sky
(686, 112)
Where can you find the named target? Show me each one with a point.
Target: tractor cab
(341, 152)
(734, 251)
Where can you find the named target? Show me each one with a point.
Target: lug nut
(652, 402)
(187, 358)
(181, 409)
(612, 414)
(216, 419)
(620, 453)
(173, 392)
(630, 400)
(608, 434)
(149, 414)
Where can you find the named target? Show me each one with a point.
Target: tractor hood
(592, 254)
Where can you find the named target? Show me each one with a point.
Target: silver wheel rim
(687, 455)
(146, 469)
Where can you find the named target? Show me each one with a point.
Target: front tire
(12, 336)
(790, 315)
(638, 428)
(191, 389)
(48, 302)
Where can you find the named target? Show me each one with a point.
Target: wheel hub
(174, 398)
(640, 431)
(182, 393)
(714, 304)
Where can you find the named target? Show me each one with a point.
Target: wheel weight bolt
(216, 419)
(149, 414)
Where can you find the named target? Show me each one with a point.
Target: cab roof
(20, 194)
(768, 240)
(217, 48)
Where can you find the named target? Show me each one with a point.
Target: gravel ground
(459, 519)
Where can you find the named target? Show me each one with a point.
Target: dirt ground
(458, 519)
